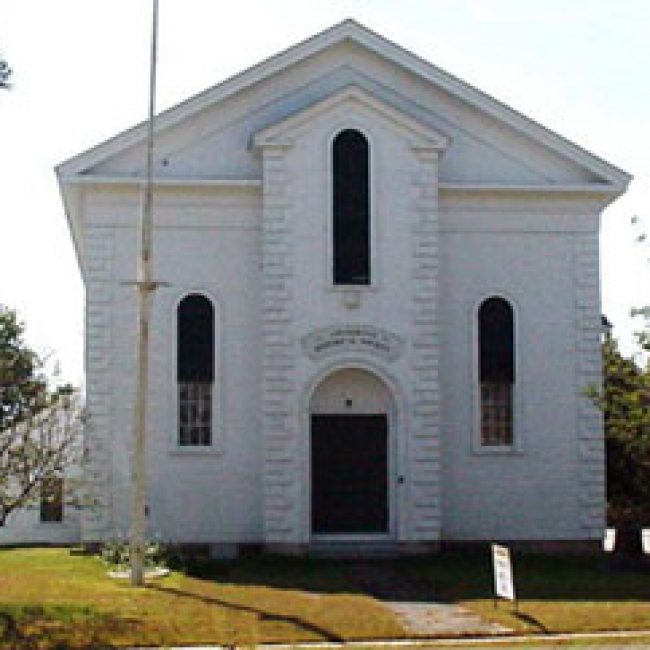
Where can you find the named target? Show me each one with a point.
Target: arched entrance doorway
(350, 413)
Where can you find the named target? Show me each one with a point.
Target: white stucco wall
(534, 491)
(210, 242)
(25, 527)
(203, 244)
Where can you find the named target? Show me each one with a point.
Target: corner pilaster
(591, 440)
(96, 521)
(279, 392)
(424, 443)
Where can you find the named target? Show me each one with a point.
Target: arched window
(351, 208)
(496, 344)
(195, 370)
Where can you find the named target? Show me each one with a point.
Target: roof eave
(70, 195)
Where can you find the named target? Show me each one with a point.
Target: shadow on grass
(446, 577)
(381, 579)
(262, 614)
(60, 628)
(532, 621)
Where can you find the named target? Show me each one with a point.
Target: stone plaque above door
(337, 339)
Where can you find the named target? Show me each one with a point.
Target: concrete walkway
(415, 604)
(442, 619)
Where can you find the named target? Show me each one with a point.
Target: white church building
(379, 309)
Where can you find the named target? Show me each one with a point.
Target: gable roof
(353, 31)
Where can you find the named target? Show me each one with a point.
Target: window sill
(341, 288)
(478, 450)
(196, 450)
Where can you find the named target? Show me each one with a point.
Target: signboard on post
(645, 541)
(504, 586)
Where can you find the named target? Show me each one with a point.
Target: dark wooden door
(349, 474)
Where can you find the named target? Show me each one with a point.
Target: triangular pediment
(348, 100)
(342, 47)
(207, 139)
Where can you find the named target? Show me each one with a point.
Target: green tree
(625, 402)
(40, 427)
(23, 386)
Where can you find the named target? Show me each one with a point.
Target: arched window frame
(216, 443)
(516, 445)
(374, 271)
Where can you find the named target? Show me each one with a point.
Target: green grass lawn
(56, 600)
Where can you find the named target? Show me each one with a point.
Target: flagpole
(145, 289)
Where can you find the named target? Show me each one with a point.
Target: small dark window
(351, 208)
(496, 343)
(195, 370)
(52, 499)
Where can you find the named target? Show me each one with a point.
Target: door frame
(396, 449)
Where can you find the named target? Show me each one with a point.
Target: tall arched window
(496, 344)
(195, 370)
(351, 208)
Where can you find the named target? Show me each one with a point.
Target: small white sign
(609, 541)
(504, 586)
(645, 541)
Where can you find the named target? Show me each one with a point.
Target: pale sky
(580, 67)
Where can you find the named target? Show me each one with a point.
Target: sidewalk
(602, 640)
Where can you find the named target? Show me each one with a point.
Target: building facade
(379, 308)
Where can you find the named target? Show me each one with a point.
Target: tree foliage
(40, 427)
(625, 402)
(23, 386)
(5, 74)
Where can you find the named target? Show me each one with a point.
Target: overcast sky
(580, 67)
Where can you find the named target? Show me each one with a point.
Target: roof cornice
(550, 188)
(178, 181)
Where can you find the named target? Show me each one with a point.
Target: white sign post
(645, 541)
(504, 586)
(609, 541)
